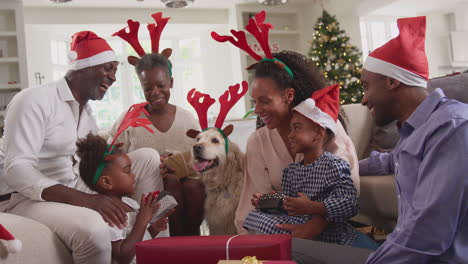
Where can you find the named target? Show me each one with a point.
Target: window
(58, 53)
(376, 31)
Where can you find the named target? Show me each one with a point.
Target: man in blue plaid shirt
(321, 183)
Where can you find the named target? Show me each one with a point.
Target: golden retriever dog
(222, 174)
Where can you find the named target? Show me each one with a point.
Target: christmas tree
(337, 58)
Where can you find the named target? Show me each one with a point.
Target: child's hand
(160, 224)
(255, 199)
(297, 206)
(148, 206)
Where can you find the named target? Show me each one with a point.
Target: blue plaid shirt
(326, 180)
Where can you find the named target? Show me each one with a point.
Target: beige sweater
(266, 158)
(173, 140)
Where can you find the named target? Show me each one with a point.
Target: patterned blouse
(326, 180)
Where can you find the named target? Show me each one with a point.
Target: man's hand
(255, 199)
(297, 205)
(112, 210)
(310, 230)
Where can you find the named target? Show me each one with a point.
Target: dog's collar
(226, 143)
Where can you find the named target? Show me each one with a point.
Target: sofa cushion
(383, 139)
(40, 244)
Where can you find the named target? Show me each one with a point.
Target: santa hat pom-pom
(72, 55)
(13, 245)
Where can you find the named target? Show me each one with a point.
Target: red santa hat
(403, 58)
(322, 108)
(88, 49)
(13, 245)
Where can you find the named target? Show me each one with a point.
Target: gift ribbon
(227, 246)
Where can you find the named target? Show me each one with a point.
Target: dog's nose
(197, 150)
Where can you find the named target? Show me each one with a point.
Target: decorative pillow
(384, 138)
(454, 86)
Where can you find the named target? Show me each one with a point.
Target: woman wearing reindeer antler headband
(168, 121)
(282, 80)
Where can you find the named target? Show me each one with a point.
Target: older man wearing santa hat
(41, 127)
(430, 162)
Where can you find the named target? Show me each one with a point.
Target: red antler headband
(257, 28)
(202, 102)
(131, 119)
(155, 31)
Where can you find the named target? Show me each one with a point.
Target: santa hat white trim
(12, 244)
(100, 58)
(385, 68)
(308, 109)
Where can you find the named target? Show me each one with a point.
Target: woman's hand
(148, 206)
(255, 199)
(300, 205)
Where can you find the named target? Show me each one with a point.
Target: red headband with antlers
(201, 102)
(155, 31)
(131, 119)
(259, 29)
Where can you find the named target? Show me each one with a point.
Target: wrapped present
(211, 249)
(180, 163)
(254, 260)
(271, 203)
(261, 262)
(166, 203)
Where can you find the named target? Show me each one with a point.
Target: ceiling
(147, 3)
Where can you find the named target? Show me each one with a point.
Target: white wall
(438, 48)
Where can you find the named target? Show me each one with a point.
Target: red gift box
(210, 249)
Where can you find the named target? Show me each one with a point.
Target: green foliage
(337, 58)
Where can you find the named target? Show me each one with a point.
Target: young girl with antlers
(106, 169)
(168, 121)
(281, 81)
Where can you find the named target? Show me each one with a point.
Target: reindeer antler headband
(131, 119)
(155, 31)
(201, 102)
(259, 30)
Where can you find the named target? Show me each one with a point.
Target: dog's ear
(228, 130)
(133, 60)
(192, 133)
